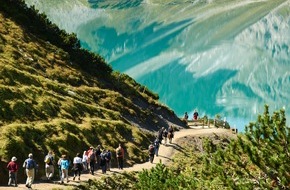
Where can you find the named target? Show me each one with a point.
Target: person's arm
(24, 164)
(16, 167)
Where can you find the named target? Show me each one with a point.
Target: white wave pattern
(68, 14)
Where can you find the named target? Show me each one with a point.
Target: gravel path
(165, 155)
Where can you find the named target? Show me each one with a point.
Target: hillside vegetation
(55, 95)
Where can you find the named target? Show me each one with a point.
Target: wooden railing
(205, 122)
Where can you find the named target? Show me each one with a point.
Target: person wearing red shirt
(13, 168)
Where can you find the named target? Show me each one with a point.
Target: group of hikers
(90, 160)
(162, 134)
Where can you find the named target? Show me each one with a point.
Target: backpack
(151, 148)
(165, 134)
(48, 160)
(29, 163)
(108, 155)
(156, 143)
(92, 155)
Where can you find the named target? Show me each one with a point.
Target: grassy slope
(47, 102)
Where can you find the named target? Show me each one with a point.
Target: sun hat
(13, 159)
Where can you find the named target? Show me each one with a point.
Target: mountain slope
(48, 100)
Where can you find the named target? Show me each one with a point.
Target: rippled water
(225, 57)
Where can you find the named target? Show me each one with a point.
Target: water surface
(225, 57)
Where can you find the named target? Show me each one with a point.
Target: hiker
(59, 167)
(103, 161)
(98, 156)
(151, 151)
(156, 146)
(77, 166)
(30, 166)
(195, 115)
(64, 165)
(85, 161)
(12, 168)
(160, 134)
(170, 133)
(49, 165)
(92, 159)
(165, 133)
(109, 157)
(185, 116)
(120, 156)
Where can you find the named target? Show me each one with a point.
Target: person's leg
(15, 179)
(156, 151)
(79, 171)
(66, 174)
(92, 166)
(51, 171)
(47, 171)
(10, 178)
(109, 165)
(27, 179)
(62, 176)
(118, 161)
(121, 163)
(30, 177)
(75, 174)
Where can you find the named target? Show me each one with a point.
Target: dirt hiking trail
(166, 152)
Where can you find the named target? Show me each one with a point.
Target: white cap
(13, 159)
(30, 155)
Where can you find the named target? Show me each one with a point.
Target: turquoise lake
(225, 57)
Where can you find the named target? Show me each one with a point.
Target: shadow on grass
(176, 147)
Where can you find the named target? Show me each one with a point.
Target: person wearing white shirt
(77, 166)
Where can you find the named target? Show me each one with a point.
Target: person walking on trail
(103, 161)
(156, 146)
(59, 167)
(30, 166)
(160, 134)
(165, 133)
(98, 156)
(85, 161)
(77, 166)
(64, 165)
(151, 151)
(12, 168)
(185, 116)
(120, 153)
(195, 115)
(92, 159)
(109, 158)
(170, 133)
(49, 165)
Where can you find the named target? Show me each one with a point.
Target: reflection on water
(225, 57)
